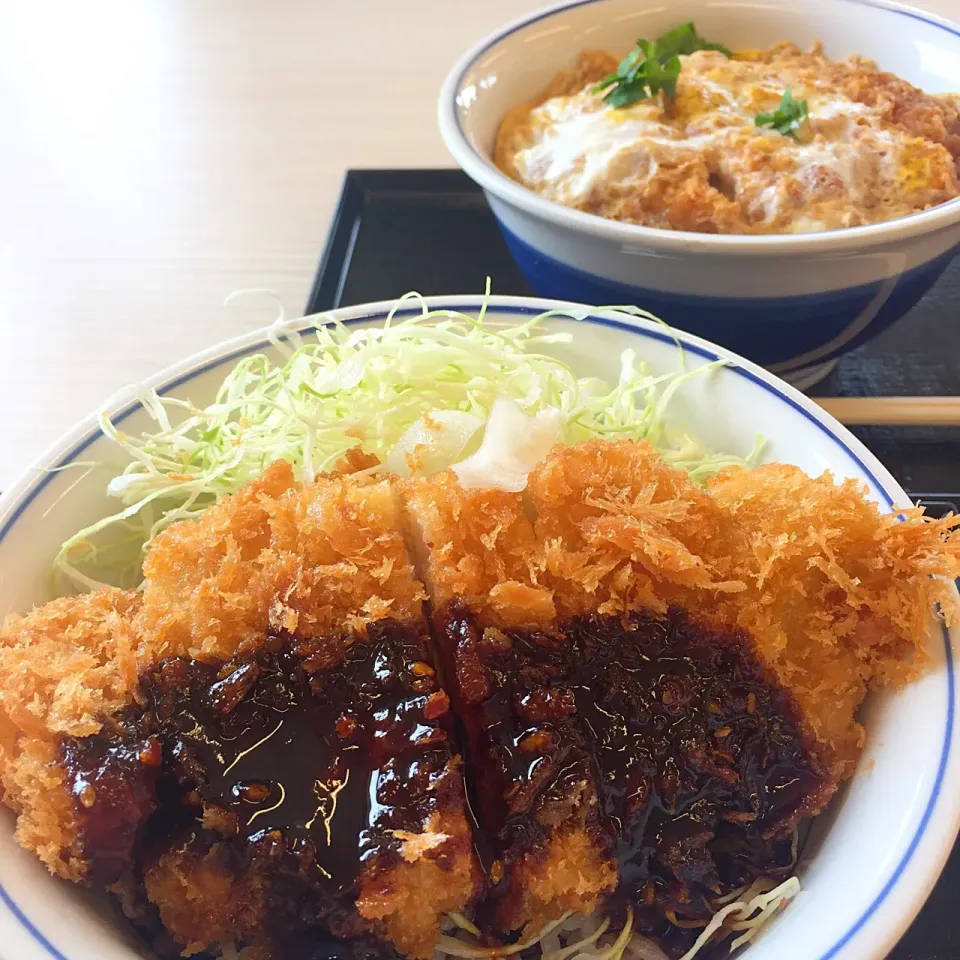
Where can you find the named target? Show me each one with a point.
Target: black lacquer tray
(432, 231)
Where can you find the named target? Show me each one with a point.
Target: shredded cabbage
(573, 935)
(750, 914)
(338, 388)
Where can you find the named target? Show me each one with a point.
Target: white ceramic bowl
(791, 303)
(874, 856)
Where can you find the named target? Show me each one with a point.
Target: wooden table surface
(159, 154)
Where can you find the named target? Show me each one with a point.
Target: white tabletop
(158, 154)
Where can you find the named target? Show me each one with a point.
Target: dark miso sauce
(301, 759)
(112, 778)
(695, 752)
(305, 759)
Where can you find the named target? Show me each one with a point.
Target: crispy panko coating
(67, 664)
(314, 561)
(439, 874)
(839, 594)
(569, 873)
(830, 596)
(477, 547)
(479, 552)
(64, 667)
(836, 595)
(621, 530)
(204, 901)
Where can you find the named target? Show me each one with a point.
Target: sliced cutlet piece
(505, 664)
(705, 761)
(293, 690)
(258, 752)
(840, 594)
(735, 630)
(319, 794)
(835, 595)
(68, 672)
(322, 560)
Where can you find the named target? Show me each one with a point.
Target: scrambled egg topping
(874, 148)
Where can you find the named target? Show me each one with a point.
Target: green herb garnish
(788, 118)
(685, 40)
(654, 66)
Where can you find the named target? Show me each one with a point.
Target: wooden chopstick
(893, 411)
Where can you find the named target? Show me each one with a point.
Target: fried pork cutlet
(799, 594)
(653, 684)
(612, 741)
(654, 631)
(528, 752)
(835, 596)
(288, 732)
(67, 669)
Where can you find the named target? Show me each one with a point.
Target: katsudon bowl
(870, 860)
(793, 303)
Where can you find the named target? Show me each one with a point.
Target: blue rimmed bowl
(791, 303)
(871, 859)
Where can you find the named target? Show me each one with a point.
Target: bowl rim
(874, 932)
(482, 170)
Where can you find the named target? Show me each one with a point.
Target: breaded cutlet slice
(286, 625)
(835, 596)
(312, 561)
(68, 671)
(648, 751)
(840, 595)
(259, 750)
(320, 797)
(529, 764)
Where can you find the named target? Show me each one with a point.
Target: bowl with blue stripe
(869, 862)
(792, 303)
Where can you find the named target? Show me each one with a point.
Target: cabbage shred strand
(338, 388)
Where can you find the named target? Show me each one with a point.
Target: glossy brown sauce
(112, 778)
(703, 769)
(303, 758)
(523, 741)
(304, 768)
(696, 756)
(318, 757)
